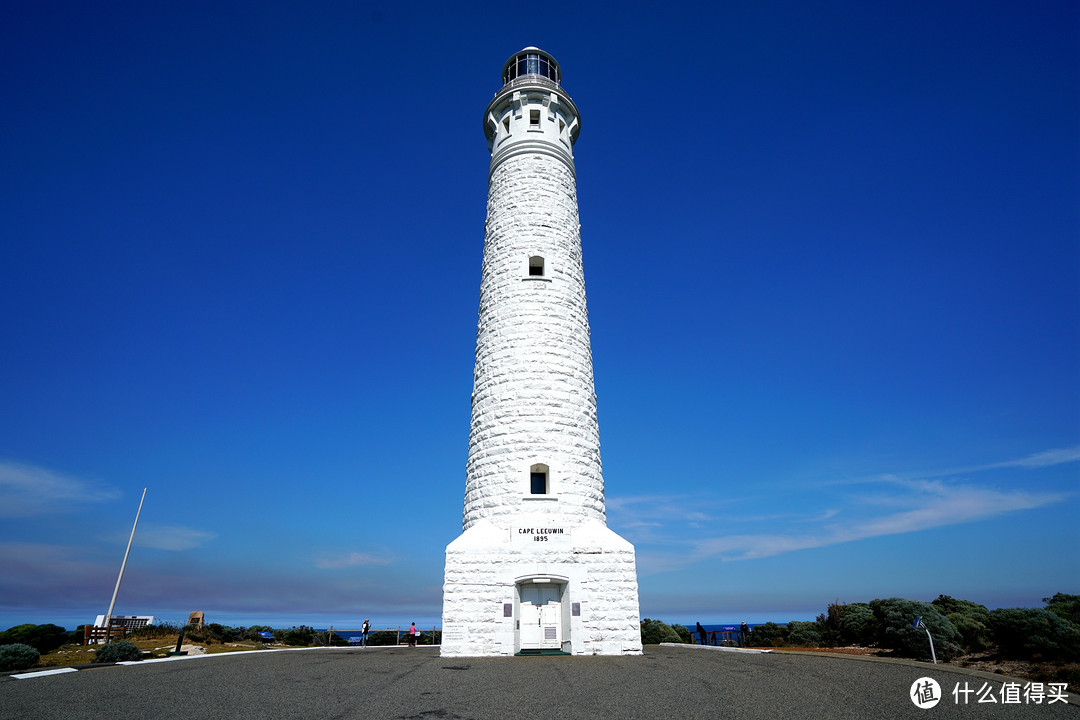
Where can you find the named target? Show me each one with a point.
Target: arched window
(536, 266)
(538, 479)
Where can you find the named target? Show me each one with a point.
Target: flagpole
(108, 615)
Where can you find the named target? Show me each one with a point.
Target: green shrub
(895, 618)
(75, 637)
(1064, 606)
(969, 618)
(252, 633)
(382, 637)
(858, 626)
(42, 638)
(119, 651)
(768, 635)
(950, 606)
(298, 636)
(974, 634)
(829, 624)
(654, 632)
(683, 632)
(225, 633)
(18, 656)
(804, 634)
(1034, 633)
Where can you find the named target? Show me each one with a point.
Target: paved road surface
(416, 684)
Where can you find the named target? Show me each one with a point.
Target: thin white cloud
(1042, 459)
(931, 504)
(883, 504)
(1046, 458)
(352, 559)
(171, 537)
(28, 490)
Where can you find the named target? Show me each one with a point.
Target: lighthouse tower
(535, 570)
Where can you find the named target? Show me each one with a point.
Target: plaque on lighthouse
(536, 569)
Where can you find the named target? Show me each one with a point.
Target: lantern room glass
(531, 63)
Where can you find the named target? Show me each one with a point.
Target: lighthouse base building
(535, 570)
(539, 585)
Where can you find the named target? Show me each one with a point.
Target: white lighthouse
(535, 570)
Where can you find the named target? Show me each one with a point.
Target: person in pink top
(413, 633)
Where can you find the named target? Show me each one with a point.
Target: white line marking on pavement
(43, 673)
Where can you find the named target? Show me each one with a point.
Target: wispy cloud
(1046, 458)
(677, 528)
(352, 559)
(930, 504)
(171, 537)
(28, 490)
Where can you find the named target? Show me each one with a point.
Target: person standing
(364, 633)
(413, 632)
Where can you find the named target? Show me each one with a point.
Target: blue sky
(833, 268)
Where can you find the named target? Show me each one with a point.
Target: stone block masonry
(533, 399)
(535, 569)
(485, 564)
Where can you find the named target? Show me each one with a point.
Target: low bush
(858, 626)
(119, 651)
(298, 636)
(429, 638)
(974, 634)
(42, 638)
(1064, 606)
(768, 635)
(18, 656)
(895, 618)
(225, 633)
(951, 606)
(252, 633)
(683, 632)
(654, 632)
(382, 637)
(1034, 633)
(803, 634)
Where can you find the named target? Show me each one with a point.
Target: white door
(541, 616)
(551, 625)
(530, 624)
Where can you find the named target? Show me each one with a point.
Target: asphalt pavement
(417, 684)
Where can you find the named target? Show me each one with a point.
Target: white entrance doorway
(541, 616)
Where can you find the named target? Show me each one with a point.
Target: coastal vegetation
(654, 632)
(18, 656)
(118, 651)
(28, 645)
(1043, 643)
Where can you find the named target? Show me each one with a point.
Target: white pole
(108, 615)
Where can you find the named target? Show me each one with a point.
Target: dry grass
(159, 646)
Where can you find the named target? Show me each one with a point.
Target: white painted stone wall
(533, 404)
(533, 399)
(485, 563)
